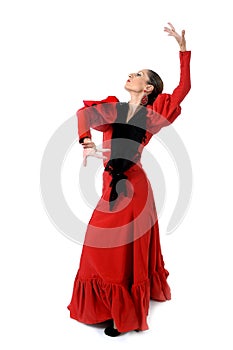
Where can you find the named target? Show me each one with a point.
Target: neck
(136, 98)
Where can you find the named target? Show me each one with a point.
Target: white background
(54, 54)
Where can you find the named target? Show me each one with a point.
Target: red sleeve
(92, 117)
(166, 107)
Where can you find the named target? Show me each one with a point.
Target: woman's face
(137, 81)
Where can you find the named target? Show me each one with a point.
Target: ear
(149, 88)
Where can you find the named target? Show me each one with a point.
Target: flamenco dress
(121, 266)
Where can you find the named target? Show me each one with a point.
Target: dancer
(121, 267)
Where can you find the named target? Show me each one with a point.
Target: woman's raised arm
(167, 107)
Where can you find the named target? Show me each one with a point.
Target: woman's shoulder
(109, 99)
(159, 102)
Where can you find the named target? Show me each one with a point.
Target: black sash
(126, 138)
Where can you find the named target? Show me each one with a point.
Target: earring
(144, 100)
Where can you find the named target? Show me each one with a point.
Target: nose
(131, 75)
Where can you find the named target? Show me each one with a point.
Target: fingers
(166, 29)
(172, 27)
(87, 152)
(85, 160)
(103, 150)
(97, 155)
(93, 152)
(89, 144)
(170, 30)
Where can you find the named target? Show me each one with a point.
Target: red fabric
(85, 120)
(121, 266)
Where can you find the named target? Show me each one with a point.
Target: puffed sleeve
(96, 115)
(166, 108)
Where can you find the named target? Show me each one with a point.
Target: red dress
(121, 266)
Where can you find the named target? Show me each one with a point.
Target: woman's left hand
(179, 38)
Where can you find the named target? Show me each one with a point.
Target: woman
(121, 266)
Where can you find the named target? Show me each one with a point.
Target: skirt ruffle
(95, 301)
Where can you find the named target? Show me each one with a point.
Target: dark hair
(156, 81)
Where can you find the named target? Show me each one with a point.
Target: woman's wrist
(85, 139)
(183, 48)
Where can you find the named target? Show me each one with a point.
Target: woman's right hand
(90, 149)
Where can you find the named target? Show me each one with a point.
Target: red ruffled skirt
(121, 266)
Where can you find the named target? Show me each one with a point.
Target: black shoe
(111, 332)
